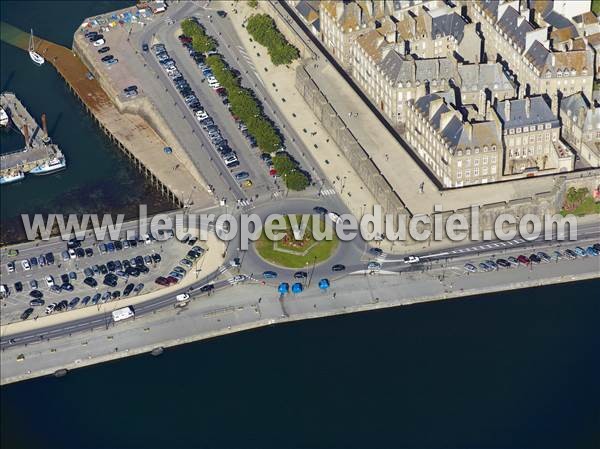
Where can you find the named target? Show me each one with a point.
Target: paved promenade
(249, 306)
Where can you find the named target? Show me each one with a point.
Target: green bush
(201, 42)
(296, 180)
(262, 28)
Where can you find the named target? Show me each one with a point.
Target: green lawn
(322, 251)
(587, 207)
(596, 6)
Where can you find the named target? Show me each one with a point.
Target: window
(459, 164)
(467, 173)
(548, 126)
(493, 160)
(468, 152)
(476, 162)
(526, 129)
(477, 150)
(484, 170)
(459, 174)
(485, 160)
(476, 171)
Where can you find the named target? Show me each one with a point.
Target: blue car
(591, 251)
(324, 284)
(580, 251)
(269, 275)
(110, 246)
(284, 287)
(297, 288)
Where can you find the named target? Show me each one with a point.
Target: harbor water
(517, 369)
(514, 369)
(98, 178)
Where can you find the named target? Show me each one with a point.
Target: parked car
(470, 268)
(338, 267)
(26, 313)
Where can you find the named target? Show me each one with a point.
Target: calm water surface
(516, 369)
(99, 179)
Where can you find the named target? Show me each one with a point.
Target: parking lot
(90, 274)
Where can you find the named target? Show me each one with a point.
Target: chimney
(506, 110)
(44, 124)
(581, 117)
(468, 128)
(527, 106)
(339, 9)
(488, 110)
(26, 135)
(554, 105)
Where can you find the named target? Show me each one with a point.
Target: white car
(182, 297)
(10, 266)
(334, 217)
(72, 254)
(49, 281)
(237, 279)
(25, 265)
(50, 308)
(201, 115)
(99, 43)
(411, 259)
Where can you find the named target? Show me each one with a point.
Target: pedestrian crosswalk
(243, 202)
(328, 192)
(277, 194)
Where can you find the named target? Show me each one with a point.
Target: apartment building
(458, 152)
(531, 135)
(581, 127)
(481, 82)
(511, 38)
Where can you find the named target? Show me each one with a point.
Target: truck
(123, 314)
(182, 297)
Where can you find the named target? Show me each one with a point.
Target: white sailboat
(35, 57)
(3, 117)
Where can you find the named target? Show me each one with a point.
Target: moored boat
(35, 56)
(3, 117)
(53, 165)
(12, 177)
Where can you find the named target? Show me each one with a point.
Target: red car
(272, 172)
(524, 260)
(172, 280)
(183, 38)
(162, 281)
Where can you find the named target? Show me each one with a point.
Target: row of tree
(245, 106)
(262, 28)
(201, 42)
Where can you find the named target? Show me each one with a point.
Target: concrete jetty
(131, 132)
(37, 149)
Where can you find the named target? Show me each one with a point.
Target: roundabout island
(297, 250)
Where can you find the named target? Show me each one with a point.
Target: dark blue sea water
(510, 370)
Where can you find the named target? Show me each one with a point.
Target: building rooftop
(525, 112)
(477, 77)
(447, 23)
(401, 69)
(577, 107)
(515, 26)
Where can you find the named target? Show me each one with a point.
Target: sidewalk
(313, 136)
(210, 262)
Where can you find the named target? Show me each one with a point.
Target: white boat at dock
(3, 117)
(12, 177)
(51, 166)
(35, 56)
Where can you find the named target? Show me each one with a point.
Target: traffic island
(300, 249)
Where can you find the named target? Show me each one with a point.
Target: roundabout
(298, 249)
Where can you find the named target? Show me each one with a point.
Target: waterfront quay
(37, 148)
(138, 140)
(160, 324)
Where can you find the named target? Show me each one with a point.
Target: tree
(283, 164)
(253, 3)
(296, 180)
(264, 31)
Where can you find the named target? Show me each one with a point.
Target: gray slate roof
(539, 112)
(401, 70)
(448, 25)
(476, 77)
(454, 130)
(509, 23)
